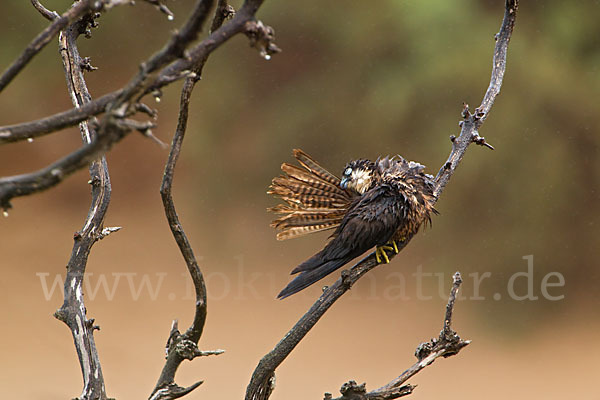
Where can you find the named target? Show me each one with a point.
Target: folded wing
(371, 221)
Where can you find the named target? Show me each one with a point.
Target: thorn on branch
(465, 111)
(173, 391)
(480, 140)
(86, 65)
(107, 231)
(143, 108)
(90, 324)
(148, 133)
(158, 4)
(205, 353)
(173, 336)
(261, 38)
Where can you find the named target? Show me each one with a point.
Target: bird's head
(359, 175)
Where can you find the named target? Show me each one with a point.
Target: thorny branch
(73, 310)
(183, 346)
(47, 34)
(447, 344)
(472, 122)
(149, 79)
(165, 387)
(177, 61)
(119, 103)
(113, 130)
(49, 15)
(262, 382)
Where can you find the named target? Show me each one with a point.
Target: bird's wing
(314, 200)
(371, 221)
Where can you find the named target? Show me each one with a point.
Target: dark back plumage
(375, 203)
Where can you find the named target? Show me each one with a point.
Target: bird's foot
(381, 254)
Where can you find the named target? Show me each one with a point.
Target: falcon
(376, 204)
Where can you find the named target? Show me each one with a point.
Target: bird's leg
(380, 251)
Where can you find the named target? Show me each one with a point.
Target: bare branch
(472, 122)
(194, 56)
(49, 15)
(20, 185)
(142, 84)
(447, 344)
(182, 346)
(73, 310)
(174, 49)
(260, 385)
(160, 6)
(26, 184)
(65, 119)
(46, 35)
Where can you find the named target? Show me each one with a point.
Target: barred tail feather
(293, 232)
(313, 166)
(314, 200)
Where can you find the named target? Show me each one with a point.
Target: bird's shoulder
(382, 199)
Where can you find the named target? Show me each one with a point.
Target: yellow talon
(380, 251)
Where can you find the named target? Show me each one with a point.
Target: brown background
(355, 79)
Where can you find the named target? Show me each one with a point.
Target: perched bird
(375, 204)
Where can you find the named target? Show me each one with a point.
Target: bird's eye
(348, 171)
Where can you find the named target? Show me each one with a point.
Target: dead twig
(447, 344)
(183, 346)
(73, 311)
(149, 79)
(47, 34)
(49, 15)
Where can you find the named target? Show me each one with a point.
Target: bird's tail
(314, 200)
(312, 275)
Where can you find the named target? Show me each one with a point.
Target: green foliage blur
(369, 78)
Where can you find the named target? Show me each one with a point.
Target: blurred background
(355, 79)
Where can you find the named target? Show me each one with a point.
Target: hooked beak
(344, 183)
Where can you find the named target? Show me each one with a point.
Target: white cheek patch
(361, 179)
